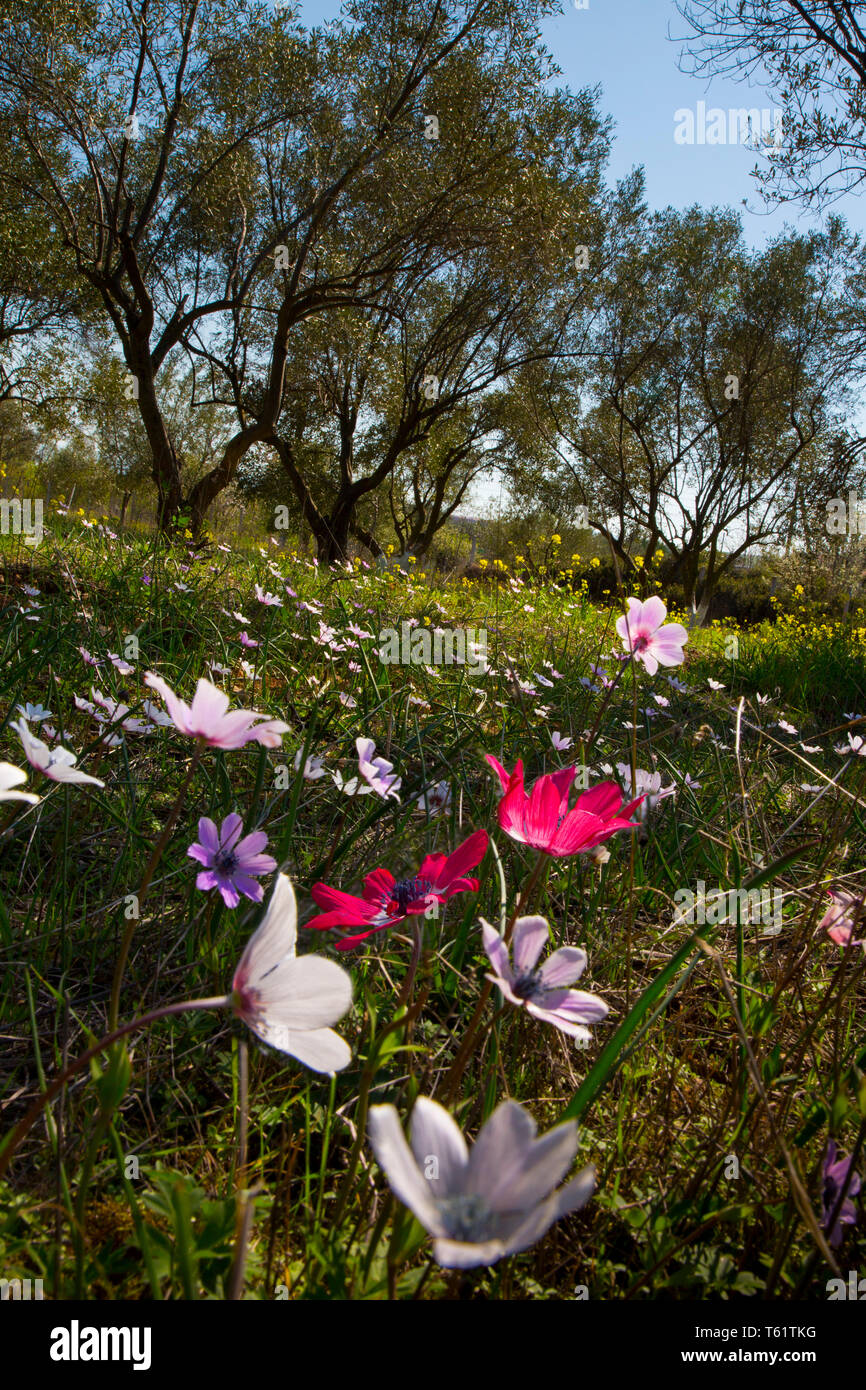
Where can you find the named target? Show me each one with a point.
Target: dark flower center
(410, 890)
(528, 986)
(225, 861)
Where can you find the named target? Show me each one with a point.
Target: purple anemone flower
(229, 862)
(836, 1177)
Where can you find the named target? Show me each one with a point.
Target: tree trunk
(366, 538)
(333, 541)
(700, 609)
(165, 470)
(212, 484)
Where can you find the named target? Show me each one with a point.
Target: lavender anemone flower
(479, 1206)
(377, 772)
(230, 862)
(543, 993)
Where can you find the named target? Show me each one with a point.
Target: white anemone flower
(435, 800)
(495, 1201)
(58, 764)
(645, 784)
(11, 776)
(34, 713)
(290, 1001)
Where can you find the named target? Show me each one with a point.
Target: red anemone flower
(387, 900)
(542, 818)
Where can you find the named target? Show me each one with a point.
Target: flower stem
(417, 942)
(631, 897)
(470, 1037)
(336, 840)
(370, 1069)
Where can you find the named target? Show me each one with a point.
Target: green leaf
(112, 1083)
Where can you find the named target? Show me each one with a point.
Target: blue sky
(623, 45)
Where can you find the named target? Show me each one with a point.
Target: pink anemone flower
(542, 818)
(647, 636)
(842, 916)
(210, 719)
(387, 900)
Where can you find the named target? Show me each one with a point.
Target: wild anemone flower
(58, 764)
(836, 1178)
(230, 862)
(34, 714)
(123, 667)
(209, 717)
(313, 767)
(435, 800)
(843, 915)
(543, 820)
(644, 635)
(387, 900)
(115, 713)
(289, 1001)
(269, 600)
(479, 1206)
(645, 784)
(856, 744)
(11, 776)
(542, 992)
(377, 772)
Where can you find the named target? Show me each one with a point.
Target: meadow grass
(195, 1163)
